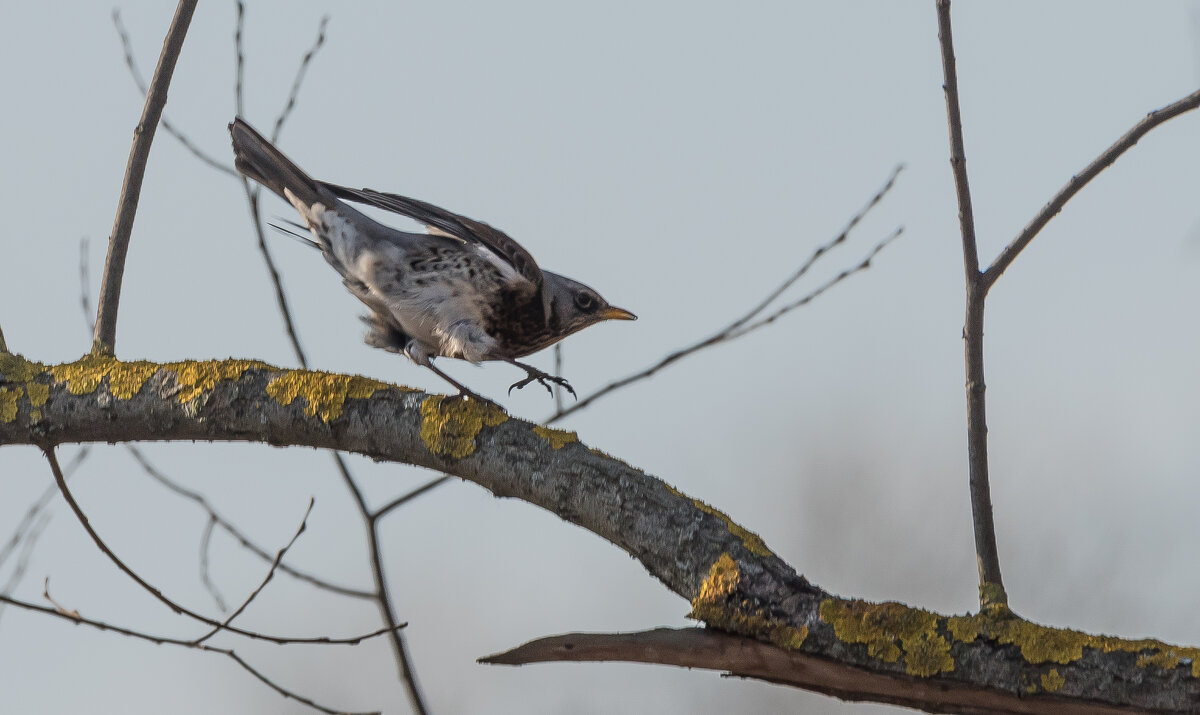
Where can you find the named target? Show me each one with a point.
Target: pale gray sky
(681, 158)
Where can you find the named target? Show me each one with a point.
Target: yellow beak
(614, 313)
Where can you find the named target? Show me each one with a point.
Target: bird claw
(544, 379)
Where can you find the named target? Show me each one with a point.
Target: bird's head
(574, 306)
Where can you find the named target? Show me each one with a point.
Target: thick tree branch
(105, 337)
(733, 581)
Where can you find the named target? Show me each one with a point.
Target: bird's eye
(585, 301)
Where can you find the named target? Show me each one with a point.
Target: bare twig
(280, 296)
(299, 80)
(409, 496)
(266, 579)
(736, 329)
(1078, 181)
(558, 370)
(175, 607)
(215, 516)
(164, 640)
(239, 60)
(61, 609)
(105, 336)
(862, 265)
(85, 290)
(25, 526)
(22, 566)
(382, 595)
(991, 584)
(821, 251)
(131, 63)
(209, 584)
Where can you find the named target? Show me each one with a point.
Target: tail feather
(259, 160)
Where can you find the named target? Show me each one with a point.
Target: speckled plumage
(464, 290)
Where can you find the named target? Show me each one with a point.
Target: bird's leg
(462, 389)
(421, 356)
(542, 378)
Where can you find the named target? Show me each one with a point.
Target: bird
(462, 290)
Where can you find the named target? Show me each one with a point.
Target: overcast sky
(681, 158)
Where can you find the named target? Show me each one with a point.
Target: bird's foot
(542, 378)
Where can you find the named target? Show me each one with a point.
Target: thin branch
(300, 72)
(821, 251)
(85, 289)
(862, 265)
(958, 155)
(382, 595)
(409, 496)
(558, 370)
(205, 578)
(27, 547)
(164, 640)
(738, 328)
(25, 526)
(991, 583)
(1078, 181)
(175, 607)
(239, 60)
(266, 579)
(280, 296)
(236, 533)
(131, 63)
(105, 336)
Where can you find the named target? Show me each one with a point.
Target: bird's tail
(259, 160)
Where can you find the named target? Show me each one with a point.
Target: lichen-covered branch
(732, 579)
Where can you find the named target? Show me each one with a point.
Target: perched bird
(464, 290)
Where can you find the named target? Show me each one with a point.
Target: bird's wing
(449, 224)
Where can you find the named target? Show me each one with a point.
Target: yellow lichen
(1053, 681)
(993, 599)
(449, 425)
(324, 393)
(723, 579)
(14, 368)
(717, 607)
(1040, 644)
(8, 403)
(196, 378)
(890, 631)
(37, 393)
(557, 438)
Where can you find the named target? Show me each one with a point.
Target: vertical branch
(105, 336)
(991, 585)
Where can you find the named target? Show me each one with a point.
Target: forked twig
(174, 606)
(164, 640)
(135, 73)
(735, 329)
(305, 61)
(266, 579)
(218, 519)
